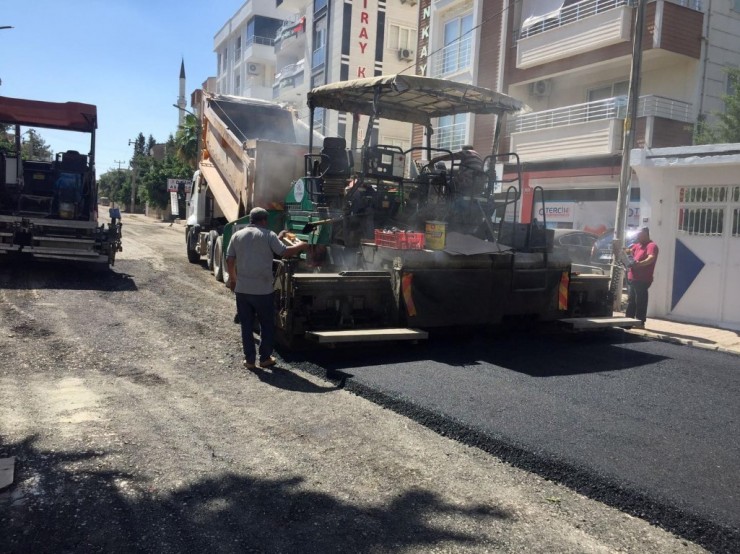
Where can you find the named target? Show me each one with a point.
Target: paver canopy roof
(72, 116)
(410, 98)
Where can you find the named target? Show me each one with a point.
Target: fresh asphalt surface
(648, 426)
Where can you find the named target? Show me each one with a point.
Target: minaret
(181, 99)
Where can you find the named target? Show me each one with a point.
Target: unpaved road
(136, 430)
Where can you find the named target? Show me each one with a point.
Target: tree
(153, 176)
(139, 148)
(728, 127)
(6, 139)
(116, 185)
(186, 141)
(35, 147)
(150, 143)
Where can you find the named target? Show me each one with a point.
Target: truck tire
(193, 256)
(212, 236)
(218, 259)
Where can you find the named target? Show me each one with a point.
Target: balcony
(291, 37)
(260, 49)
(596, 128)
(454, 60)
(290, 77)
(606, 25)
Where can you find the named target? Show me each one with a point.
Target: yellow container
(67, 210)
(435, 235)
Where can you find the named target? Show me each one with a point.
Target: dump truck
(49, 207)
(250, 157)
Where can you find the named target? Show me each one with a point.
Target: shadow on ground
(536, 354)
(57, 506)
(23, 273)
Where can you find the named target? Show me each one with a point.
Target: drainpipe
(705, 60)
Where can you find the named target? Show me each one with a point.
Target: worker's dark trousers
(637, 300)
(260, 305)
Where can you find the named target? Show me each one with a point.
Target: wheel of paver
(212, 236)
(193, 256)
(218, 259)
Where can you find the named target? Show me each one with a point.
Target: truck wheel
(193, 256)
(212, 236)
(218, 259)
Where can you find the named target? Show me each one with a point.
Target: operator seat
(336, 161)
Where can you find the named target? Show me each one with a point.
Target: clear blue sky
(121, 55)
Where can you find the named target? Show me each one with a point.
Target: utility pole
(119, 163)
(627, 143)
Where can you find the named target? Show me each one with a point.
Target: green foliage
(728, 127)
(6, 142)
(150, 143)
(153, 176)
(116, 185)
(186, 141)
(139, 148)
(34, 147)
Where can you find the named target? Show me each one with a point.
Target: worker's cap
(257, 214)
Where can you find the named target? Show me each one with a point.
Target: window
(457, 44)
(696, 214)
(599, 105)
(733, 80)
(238, 51)
(237, 85)
(452, 131)
(318, 58)
(400, 37)
(219, 62)
(225, 59)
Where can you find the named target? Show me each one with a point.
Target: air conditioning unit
(409, 2)
(405, 54)
(254, 69)
(541, 88)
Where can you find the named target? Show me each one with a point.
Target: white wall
(713, 296)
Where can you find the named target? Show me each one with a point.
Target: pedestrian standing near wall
(249, 262)
(640, 276)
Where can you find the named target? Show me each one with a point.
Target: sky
(121, 55)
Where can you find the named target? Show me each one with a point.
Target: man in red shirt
(640, 276)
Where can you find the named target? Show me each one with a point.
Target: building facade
(571, 63)
(278, 50)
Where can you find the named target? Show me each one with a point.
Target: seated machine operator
(469, 179)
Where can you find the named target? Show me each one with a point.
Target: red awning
(72, 116)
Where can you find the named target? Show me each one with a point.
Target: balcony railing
(453, 58)
(264, 41)
(609, 108)
(587, 8)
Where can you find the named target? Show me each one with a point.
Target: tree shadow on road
(59, 504)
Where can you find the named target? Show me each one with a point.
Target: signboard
(174, 203)
(177, 185)
(555, 212)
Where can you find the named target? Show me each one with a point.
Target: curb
(657, 335)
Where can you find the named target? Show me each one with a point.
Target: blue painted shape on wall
(686, 268)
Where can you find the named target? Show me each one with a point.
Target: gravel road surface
(135, 429)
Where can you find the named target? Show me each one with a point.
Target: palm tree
(187, 141)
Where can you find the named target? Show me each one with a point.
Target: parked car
(576, 244)
(601, 253)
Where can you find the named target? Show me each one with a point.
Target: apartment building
(279, 49)
(571, 63)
